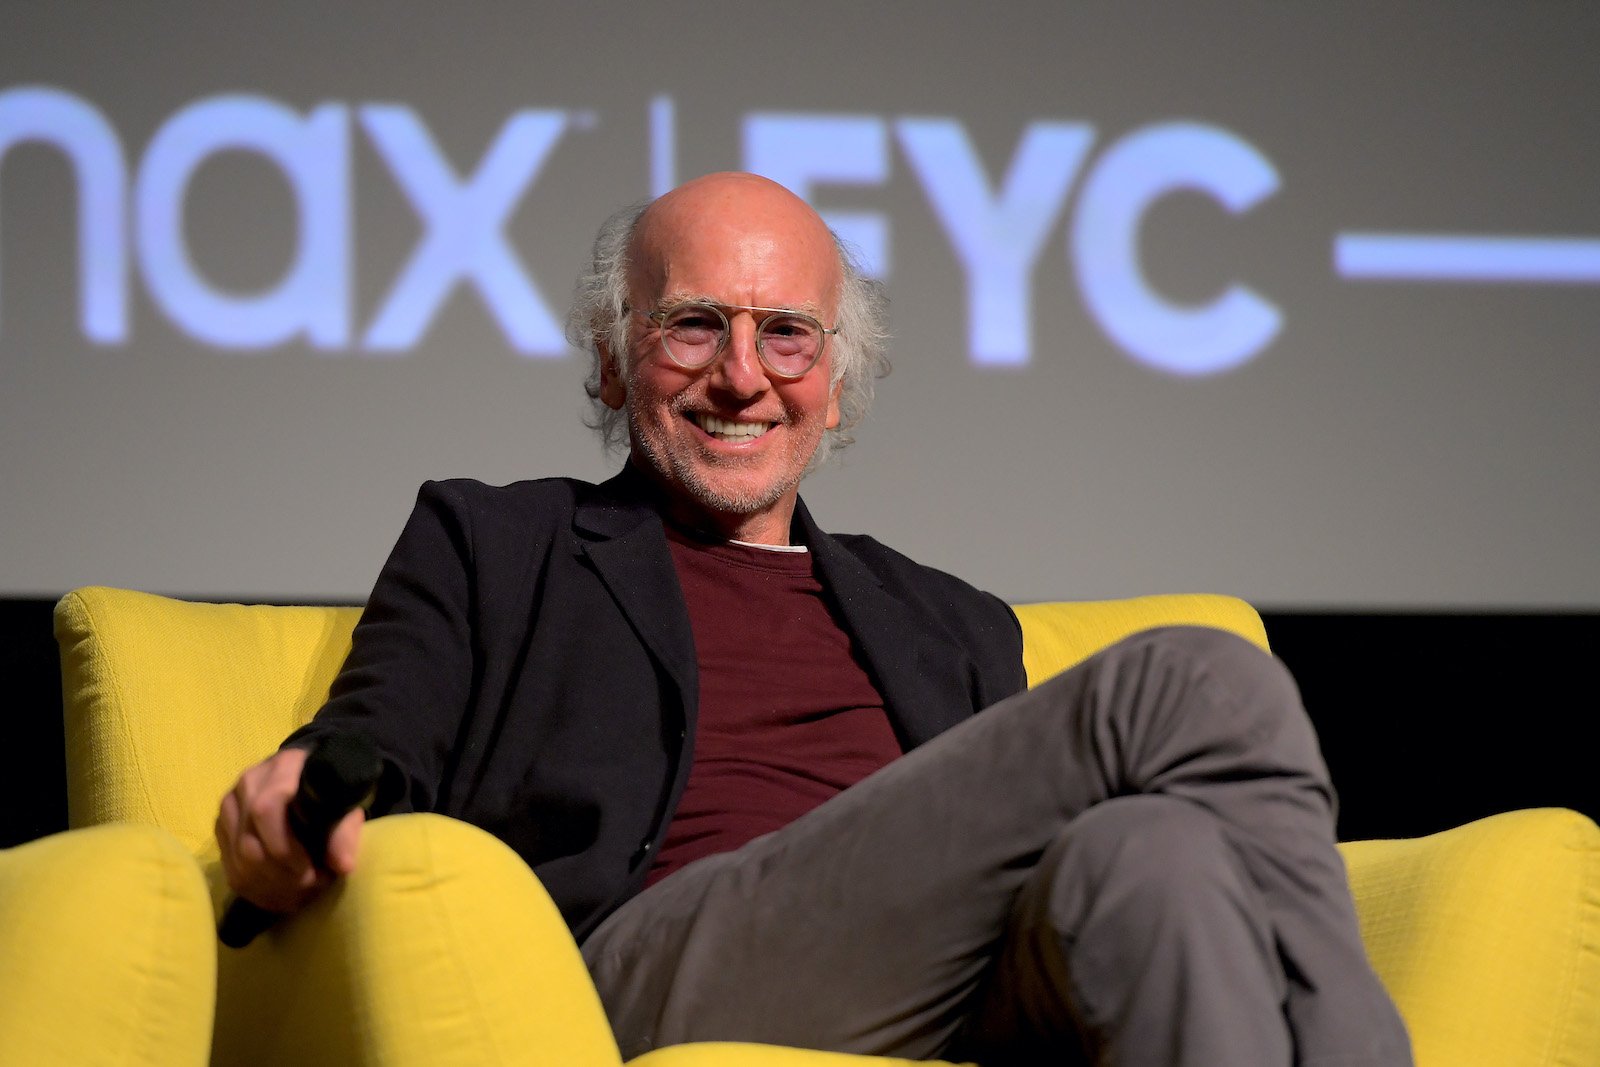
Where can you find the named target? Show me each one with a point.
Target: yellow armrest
(107, 951)
(440, 949)
(1488, 937)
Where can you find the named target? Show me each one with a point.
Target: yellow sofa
(443, 949)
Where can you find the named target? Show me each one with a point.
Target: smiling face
(728, 442)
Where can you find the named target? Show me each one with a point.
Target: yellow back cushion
(166, 701)
(1058, 635)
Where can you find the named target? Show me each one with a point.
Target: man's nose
(738, 370)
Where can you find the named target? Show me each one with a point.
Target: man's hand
(264, 862)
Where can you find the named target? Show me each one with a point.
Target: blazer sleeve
(408, 680)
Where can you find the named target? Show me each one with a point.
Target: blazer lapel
(622, 536)
(922, 676)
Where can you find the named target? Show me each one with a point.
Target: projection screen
(1292, 302)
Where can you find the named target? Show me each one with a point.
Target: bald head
(756, 225)
(730, 194)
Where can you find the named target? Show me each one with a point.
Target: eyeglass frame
(659, 315)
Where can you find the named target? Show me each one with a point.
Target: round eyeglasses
(789, 343)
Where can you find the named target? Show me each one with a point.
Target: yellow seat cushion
(739, 1054)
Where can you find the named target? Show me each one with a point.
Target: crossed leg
(1132, 863)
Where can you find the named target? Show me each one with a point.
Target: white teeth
(726, 430)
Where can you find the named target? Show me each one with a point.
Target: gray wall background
(1398, 444)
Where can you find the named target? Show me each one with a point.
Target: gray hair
(599, 314)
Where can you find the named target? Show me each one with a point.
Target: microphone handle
(340, 774)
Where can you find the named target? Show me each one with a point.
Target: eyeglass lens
(787, 342)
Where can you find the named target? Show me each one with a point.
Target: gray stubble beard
(704, 494)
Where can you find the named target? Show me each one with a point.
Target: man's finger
(264, 793)
(345, 841)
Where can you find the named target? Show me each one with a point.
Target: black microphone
(340, 774)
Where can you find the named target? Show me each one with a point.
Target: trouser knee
(1206, 655)
(1179, 703)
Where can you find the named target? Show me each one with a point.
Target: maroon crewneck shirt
(787, 718)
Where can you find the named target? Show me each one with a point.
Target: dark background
(1427, 720)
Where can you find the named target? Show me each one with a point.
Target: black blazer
(525, 664)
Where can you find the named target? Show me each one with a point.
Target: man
(747, 758)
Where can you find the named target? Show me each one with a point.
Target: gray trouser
(1133, 863)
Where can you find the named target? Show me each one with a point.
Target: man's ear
(613, 391)
(833, 404)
